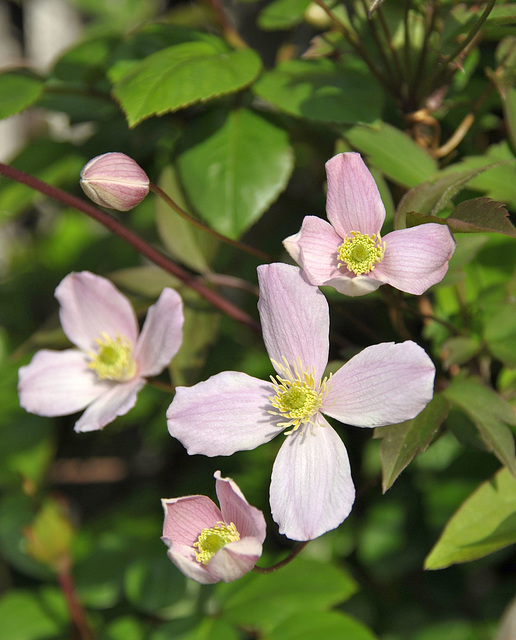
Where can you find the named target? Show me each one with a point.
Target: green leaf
(282, 14)
(25, 617)
(153, 584)
(328, 625)
(491, 415)
(147, 280)
(181, 75)
(394, 153)
(484, 523)
(264, 601)
(209, 628)
(125, 628)
(321, 90)
(481, 215)
(242, 161)
(500, 333)
(18, 90)
(459, 350)
(402, 442)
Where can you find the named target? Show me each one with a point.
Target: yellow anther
(360, 253)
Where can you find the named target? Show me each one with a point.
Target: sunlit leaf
(18, 90)
(25, 617)
(282, 14)
(330, 625)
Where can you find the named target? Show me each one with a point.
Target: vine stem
(283, 562)
(74, 606)
(154, 255)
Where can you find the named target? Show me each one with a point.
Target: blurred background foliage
(233, 107)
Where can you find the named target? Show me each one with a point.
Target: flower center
(361, 252)
(114, 358)
(298, 395)
(212, 540)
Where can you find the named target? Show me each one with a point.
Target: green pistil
(212, 540)
(361, 253)
(114, 359)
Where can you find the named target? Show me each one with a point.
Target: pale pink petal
(294, 316)
(91, 305)
(161, 334)
(57, 383)
(353, 202)
(185, 560)
(315, 249)
(234, 559)
(248, 520)
(117, 401)
(226, 413)
(384, 384)
(186, 517)
(311, 487)
(354, 286)
(416, 258)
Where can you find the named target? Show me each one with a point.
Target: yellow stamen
(212, 540)
(361, 253)
(114, 358)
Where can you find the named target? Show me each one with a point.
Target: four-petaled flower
(209, 544)
(111, 362)
(350, 255)
(311, 488)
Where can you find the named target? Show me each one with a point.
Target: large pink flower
(111, 362)
(350, 255)
(209, 544)
(311, 489)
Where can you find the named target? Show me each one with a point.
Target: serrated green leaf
(321, 90)
(402, 442)
(484, 523)
(182, 75)
(25, 617)
(18, 90)
(394, 153)
(282, 14)
(500, 333)
(481, 215)
(264, 601)
(330, 625)
(491, 415)
(243, 162)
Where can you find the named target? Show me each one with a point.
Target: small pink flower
(350, 254)
(112, 360)
(115, 181)
(311, 488)
(209, 544)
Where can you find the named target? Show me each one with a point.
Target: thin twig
(284, 562)
(77, 613)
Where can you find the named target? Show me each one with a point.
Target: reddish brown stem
(284, 562)
(77, 613)
(135, 241)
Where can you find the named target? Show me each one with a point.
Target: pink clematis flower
(209, 544)
(350, 255)
(111, 362)
(311, 488)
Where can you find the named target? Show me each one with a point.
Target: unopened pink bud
(115, 181)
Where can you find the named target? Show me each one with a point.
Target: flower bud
(115, 181)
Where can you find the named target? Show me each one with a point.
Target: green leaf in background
(491, 415)
(402, 442)
(181, 75)
(459, 350)
(264, 601)
(321, 90)
(25, 616)
(125, 628)
(243, 162)
(18, 90)
(500, 333)
(327, 625)
(282, 14)
(191, 629)
(147, 280)
(185, 242)
(394, 153)
(484, 523)
(480, 215)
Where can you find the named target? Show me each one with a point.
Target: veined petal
(416, 258)
(294, 316)
(117, 401)
(161, 334)
(91, 305)
(353, 202)
(226, 413)
(248, 520)
(186, 517)
(235, 559)
(354, 286)
(311, 487)
(315, 249)
(57, 383)
(383, 384)
(185, 560)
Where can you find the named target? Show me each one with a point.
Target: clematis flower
(109, 366)
(311, 489)
(350, 255)
(209, 544)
